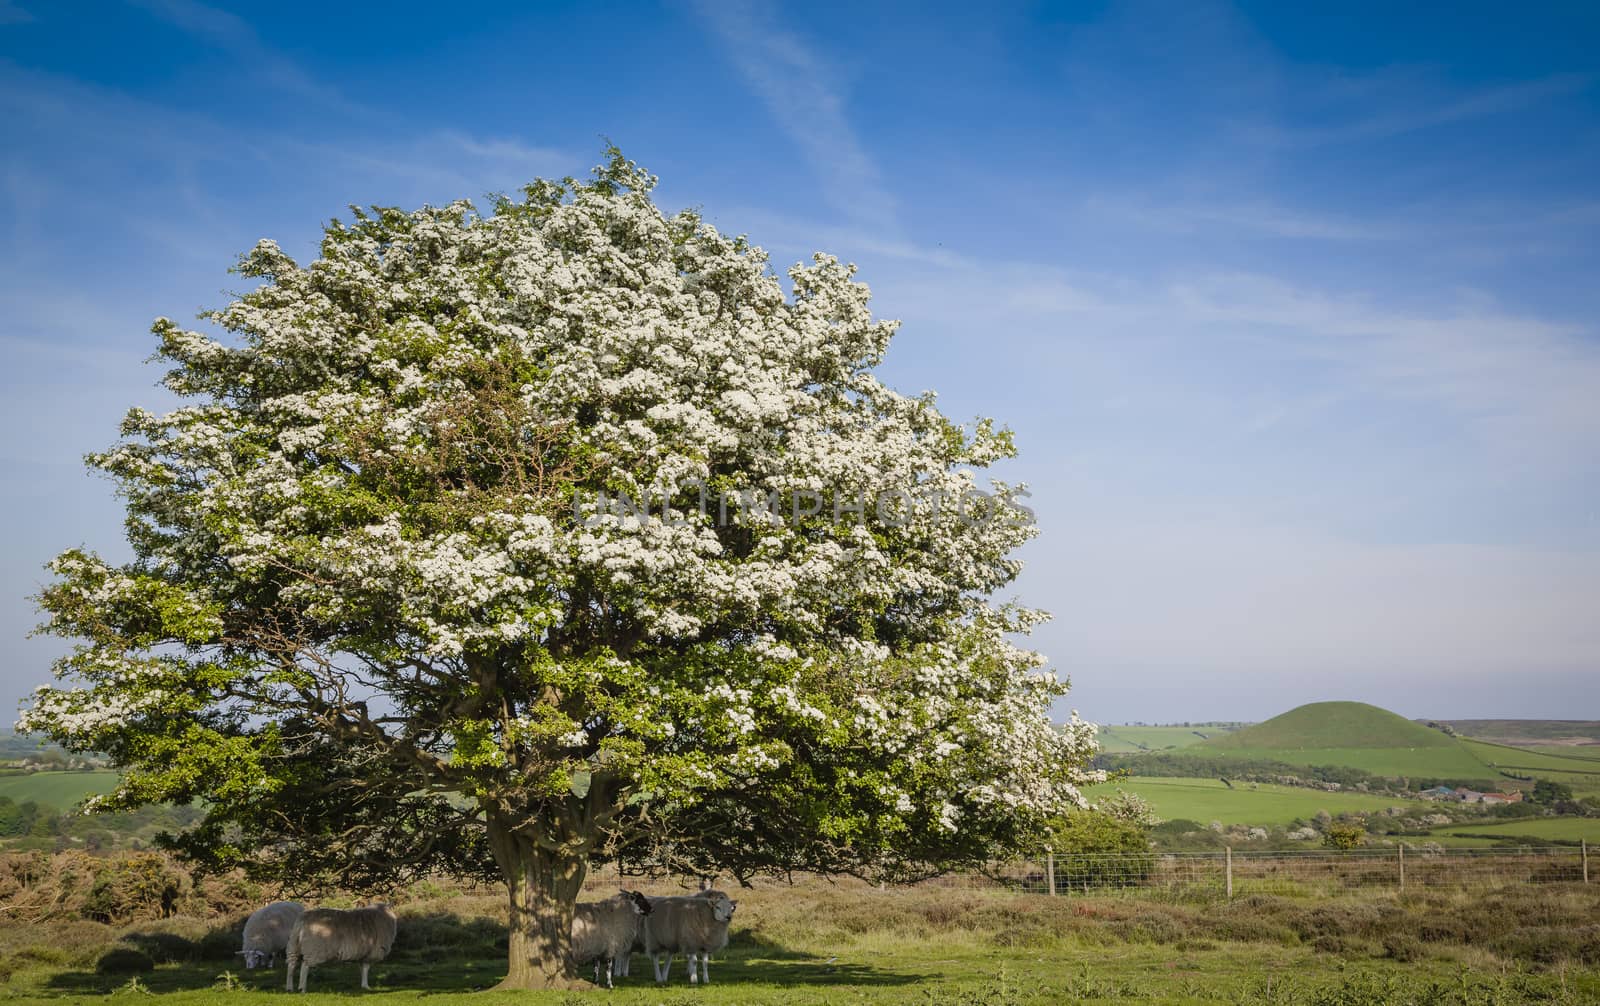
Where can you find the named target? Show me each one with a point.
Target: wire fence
(1321, 873)
(1306, 873)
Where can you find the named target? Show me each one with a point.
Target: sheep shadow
(434, 953)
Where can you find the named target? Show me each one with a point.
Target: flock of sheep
(604, 933)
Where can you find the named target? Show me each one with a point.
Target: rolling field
(1453, 762)
(1564, 829)
(1581, 752)
(1581, 773)
(1121, 739)
(1207, 800)
(57, 789)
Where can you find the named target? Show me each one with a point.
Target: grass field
(1581, 773)
(1453, 762)
(1583, 752)
(57, 789)
(1506, 756)
(1121, 739)
(931, 947)
(1207, 800)
(1565, 829)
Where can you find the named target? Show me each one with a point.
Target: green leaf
(580, 783)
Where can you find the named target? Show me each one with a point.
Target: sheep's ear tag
(580, 783)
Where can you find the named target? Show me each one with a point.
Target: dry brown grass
(71, 911)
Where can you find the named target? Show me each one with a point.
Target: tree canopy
(508, 542)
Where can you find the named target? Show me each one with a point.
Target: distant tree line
(1184, 763)
(30, 819)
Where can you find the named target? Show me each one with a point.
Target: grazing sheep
(363, 935)
(624, 964)
(696, 926)
(604, 931)
(266, 932)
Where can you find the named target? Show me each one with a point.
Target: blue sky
(1294, 313)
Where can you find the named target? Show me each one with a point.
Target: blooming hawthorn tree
(509, 543)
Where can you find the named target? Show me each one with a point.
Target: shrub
(1177, 826)
(1096, 850)
(123, 961)
(1552, 945)
(1344, 836)
(1329, 944)
(1403, 947)
(137, 887)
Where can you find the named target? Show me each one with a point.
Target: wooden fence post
(1402, 868)
(1583, 849)
(1050, 868)
(1229, 868)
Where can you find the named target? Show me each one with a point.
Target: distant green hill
(1355, 735)
(1334, 725)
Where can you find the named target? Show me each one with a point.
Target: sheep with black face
(603, 932)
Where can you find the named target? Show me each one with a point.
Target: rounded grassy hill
(1335, 725)
(1354, 734)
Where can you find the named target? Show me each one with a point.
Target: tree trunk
(543, 884)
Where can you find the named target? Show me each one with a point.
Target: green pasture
(1448, 762)
(950, 971)
(1528, 759)
(1582, 774)
(60, 790)
(1207, 800)
(1554, 829)
(1580, 752)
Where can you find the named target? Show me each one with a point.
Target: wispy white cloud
(1392, 104)
(1256, 217)
(100, 135)
(234, 35)
(788, 238)
(805, 99)
(1519, 387)
(1526, 383)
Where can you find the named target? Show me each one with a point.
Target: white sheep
(694, 925)
(266, 932)
(604, 931)
(624, 964)
(363, 935)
